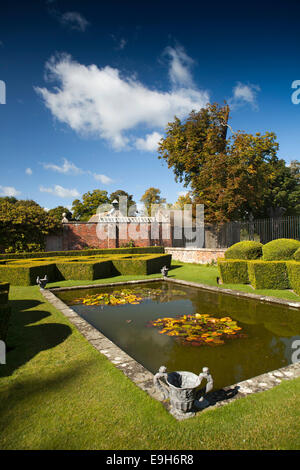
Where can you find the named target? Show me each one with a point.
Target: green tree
(152, 196)
(23, 226)
(83, 210)
(119, 192)
(58, 211)
(232, 177)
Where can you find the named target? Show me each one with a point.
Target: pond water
(265, 343)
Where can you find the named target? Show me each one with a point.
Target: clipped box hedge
(268, 274)
(141, 265)
(280, 249)
(83, 270)
(293, 268)
(25, 272)
(244, 250)
(233, 271)
(87, 252)
(296, 255)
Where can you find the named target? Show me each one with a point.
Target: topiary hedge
(24, 272)
(280, 249)
(296, 255)
(104, 251)
(268, 275)
(233, 271)
(244, 250)
(294, 275)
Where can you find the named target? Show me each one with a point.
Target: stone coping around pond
(142, 377)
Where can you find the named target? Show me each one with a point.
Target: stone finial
(64, 218)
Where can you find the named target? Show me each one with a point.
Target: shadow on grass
(39, 389)
(25, 339)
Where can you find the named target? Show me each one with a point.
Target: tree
(182, 200)
(58, 212)
(116, 195)
(83, 210)
(152, 196)
(232, 177)
(23, 226)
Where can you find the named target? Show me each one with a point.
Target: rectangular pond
(187, 328)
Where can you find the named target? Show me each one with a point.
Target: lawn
(58, 392)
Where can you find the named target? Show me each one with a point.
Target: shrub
(296, 255)
(268, 274)
(244, 250)
(83, 270)
(294, 275)
(24, 272)
(280, 249)
(233, 271)
(104, 251)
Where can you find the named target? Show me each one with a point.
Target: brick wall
(79, 235)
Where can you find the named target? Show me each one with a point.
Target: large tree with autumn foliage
(233, 176)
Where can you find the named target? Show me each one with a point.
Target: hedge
(233, 271)
(24, 272)
(280, 249)
(83, 270)
(141, 265)
(294, 275)
(244, 250)
(296, 255)
(268, 274)
(46, 254)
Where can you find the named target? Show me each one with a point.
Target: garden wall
(79, 235)
(196, 255)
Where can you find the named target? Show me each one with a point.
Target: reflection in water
(270, 330)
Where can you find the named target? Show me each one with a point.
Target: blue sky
(90, 87)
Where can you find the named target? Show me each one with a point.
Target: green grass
(58, 392)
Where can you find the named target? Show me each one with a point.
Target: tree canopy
(152, 196)
(234, 176)
(24, 225)
(83, 210)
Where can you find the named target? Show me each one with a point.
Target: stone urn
(181, 388)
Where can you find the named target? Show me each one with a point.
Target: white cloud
(103, 178)
(70, 168)
(59, 191)
(103, 103)
(9, 191)
(28, 171)
(149, 143)
(74, 20)
(180, 67)
(67, 167)
(244, 94)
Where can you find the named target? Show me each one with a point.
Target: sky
(87, 88)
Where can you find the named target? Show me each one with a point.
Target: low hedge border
(46, 254)
(24, 272)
